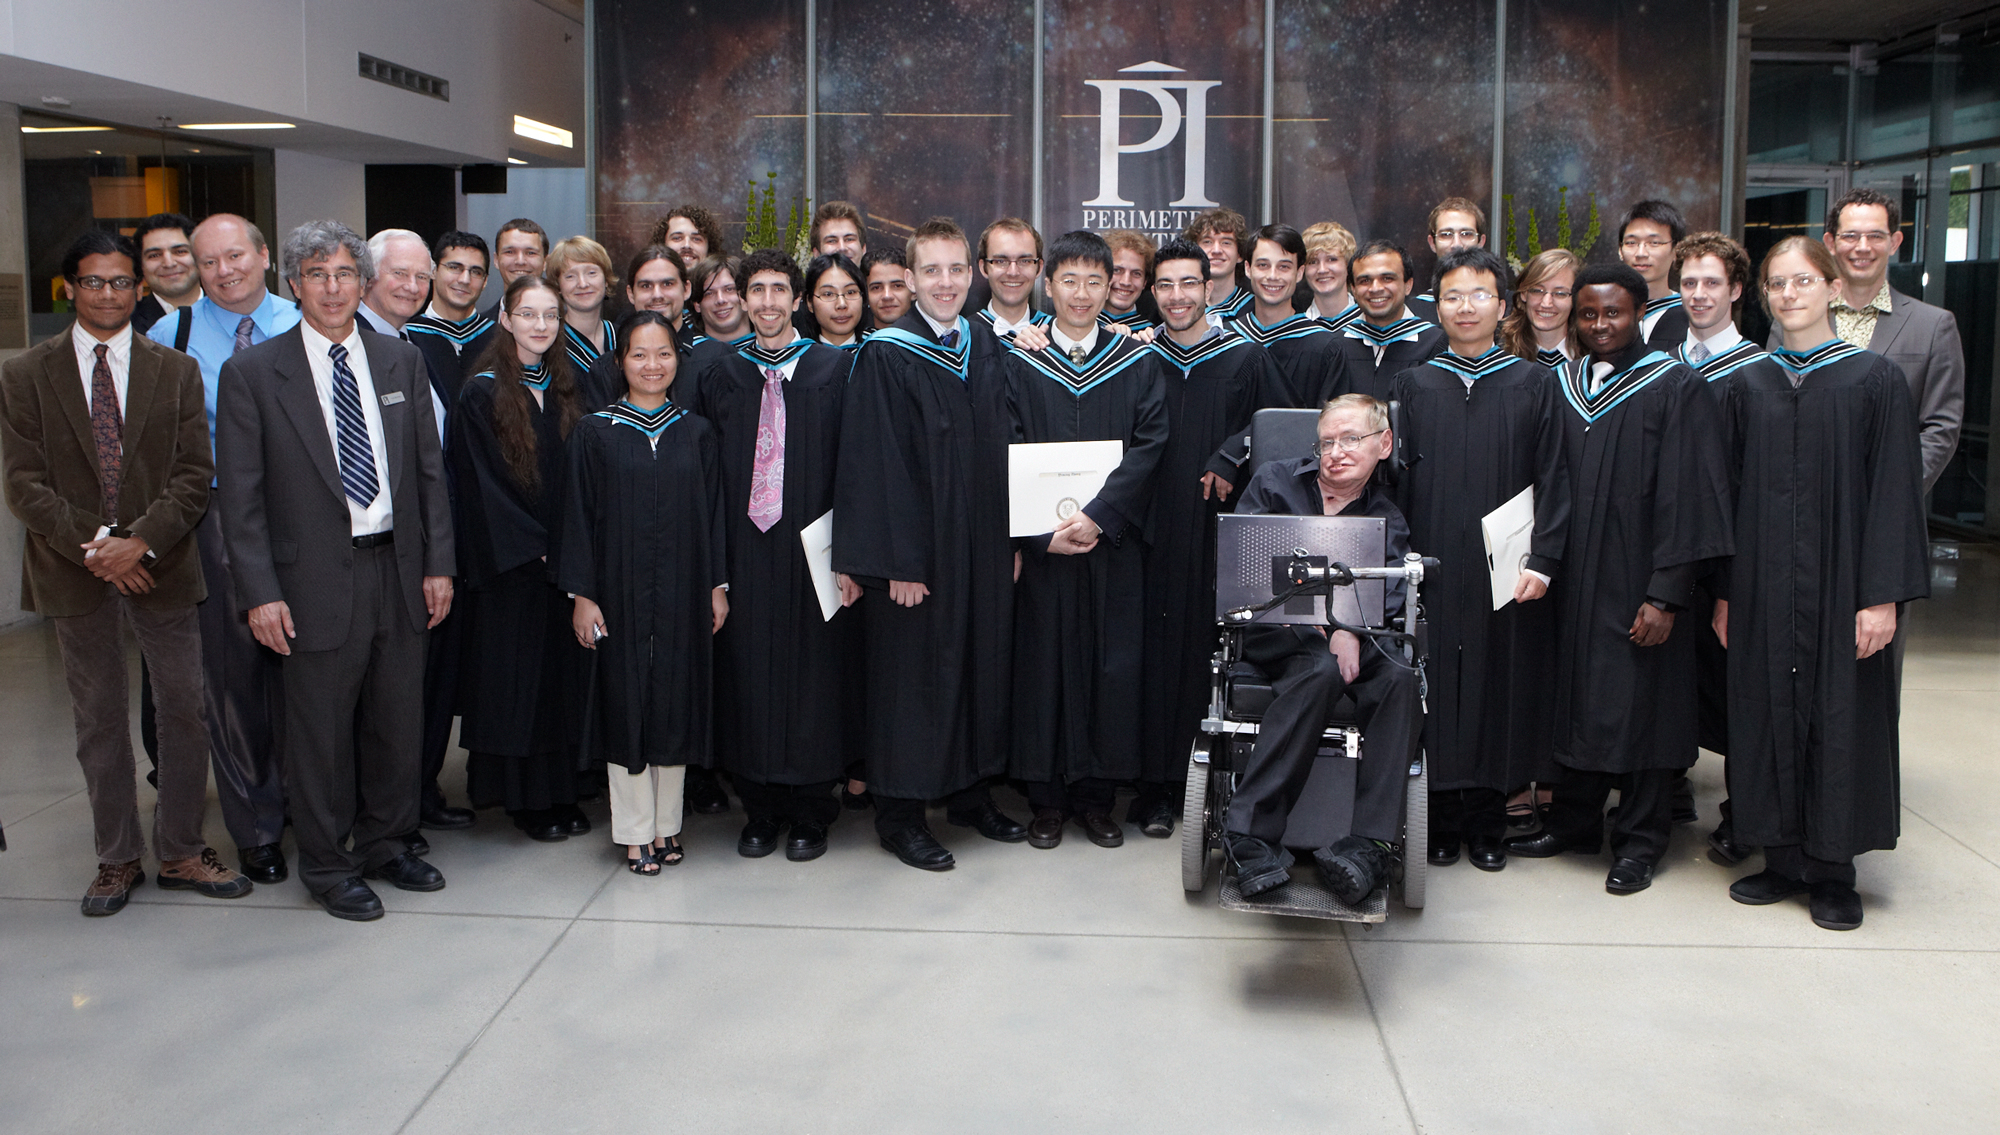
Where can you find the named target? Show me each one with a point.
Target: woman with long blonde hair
(1537, 324)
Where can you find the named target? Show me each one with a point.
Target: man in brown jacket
(105, 444)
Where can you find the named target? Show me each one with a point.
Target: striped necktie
(357, 457)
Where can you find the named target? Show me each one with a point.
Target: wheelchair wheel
(1416, 837)
(1194, 821)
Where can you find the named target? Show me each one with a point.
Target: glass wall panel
(1798, 112)
(1895, 108)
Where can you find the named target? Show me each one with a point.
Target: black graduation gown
(1829, 520)
(1670, 330)
(1711, 662)
(1405, 343)
(1469, 451)
(519, 676)
(1212, 389)
(582, 353)
(697, 355)
(786, 695)
(642, 537)
(921, 496)
(1306, 352)
(985, 318)
(1079, 621)
(1650, 504)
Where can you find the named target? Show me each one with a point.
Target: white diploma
(1510, 533)
(817, 538)
(1051, 482)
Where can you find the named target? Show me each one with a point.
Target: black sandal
(645, 864)
(670, 854)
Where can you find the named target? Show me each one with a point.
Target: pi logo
(1195, 182)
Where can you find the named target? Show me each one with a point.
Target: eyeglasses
(1803, 281)
(318, 277)
(1345, 443)
(99, 283)
(1456, 234)
(1649, 243)
(1006, 263)
(457, 269)
(403, 275)
(1537, 295)
(1874, 239)
(1466, 299)
(835, 295)
(537, 318)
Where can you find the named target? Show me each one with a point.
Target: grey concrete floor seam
(1946, 833)
(19, 820)
(465, 1050)
(970, 931)
(1381, 1036)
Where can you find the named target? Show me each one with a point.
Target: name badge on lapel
(391, 398)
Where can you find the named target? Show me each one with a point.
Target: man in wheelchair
(1310, 670)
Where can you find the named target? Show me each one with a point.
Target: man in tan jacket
(105, 445)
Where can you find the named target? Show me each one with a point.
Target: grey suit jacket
(285, 521)
(1923, 341)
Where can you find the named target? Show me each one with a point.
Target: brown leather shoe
(1101, 828)
(113, 885)
(1045, 831)
(203, 874)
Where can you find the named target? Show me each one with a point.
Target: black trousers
(1306, 682)
(1645, 810)
(354, 719)
(1792, 861)
(789, 803)
(240, 699)
(1089, 794)
(1463, 814)
(894, 814)
(441, 665)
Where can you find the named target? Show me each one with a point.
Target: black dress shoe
(352, 900)
(444, 818)
(919, 848)
(1046, 830)
(1546, 844)
(572, 819)
(704, 793)
(415, 843)
(407, 873)
(990, 822)
(1486, 852)
(1101, 829)
(541, 826)
(263, 864)
(1443, 852)
(1629, 877)
(759, 838)
(1155, 819)
(1722, 841)
(1835, 906)
(1765, 888)
(806, 840)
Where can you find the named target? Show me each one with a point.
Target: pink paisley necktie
(767, 476)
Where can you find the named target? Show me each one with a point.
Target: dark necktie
(107, 426)
(357, 457)
(1077, 355)
(243, 328)
(949, 340)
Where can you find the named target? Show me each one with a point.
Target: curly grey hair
(316, 240)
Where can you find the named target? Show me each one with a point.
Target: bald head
(232, 258)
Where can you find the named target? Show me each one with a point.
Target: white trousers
(647, 805)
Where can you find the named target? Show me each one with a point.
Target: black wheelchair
(1239, 695)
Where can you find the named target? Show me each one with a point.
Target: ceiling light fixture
(543, 132)
(237, 126)
(516, 162)
(63, 129)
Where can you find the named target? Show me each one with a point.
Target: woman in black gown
(521, 663)
(642, 551)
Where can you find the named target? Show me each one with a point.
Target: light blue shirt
(212, 339)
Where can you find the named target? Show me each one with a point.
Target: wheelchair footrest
(1305, 897)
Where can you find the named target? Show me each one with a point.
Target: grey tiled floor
(547, 990)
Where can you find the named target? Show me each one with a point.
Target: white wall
(308, 187)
